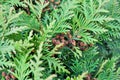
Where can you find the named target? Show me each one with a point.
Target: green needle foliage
(59, 39)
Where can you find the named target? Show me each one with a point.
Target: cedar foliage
(59, 39)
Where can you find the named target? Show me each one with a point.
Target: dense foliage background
(60, 39)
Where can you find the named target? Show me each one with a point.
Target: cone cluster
(68, 41)
(89, 77)
(8, 76)
(52, 4)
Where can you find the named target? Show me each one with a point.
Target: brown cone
(12, 76)
(52, 1)
(7, 77)
(3, 74)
